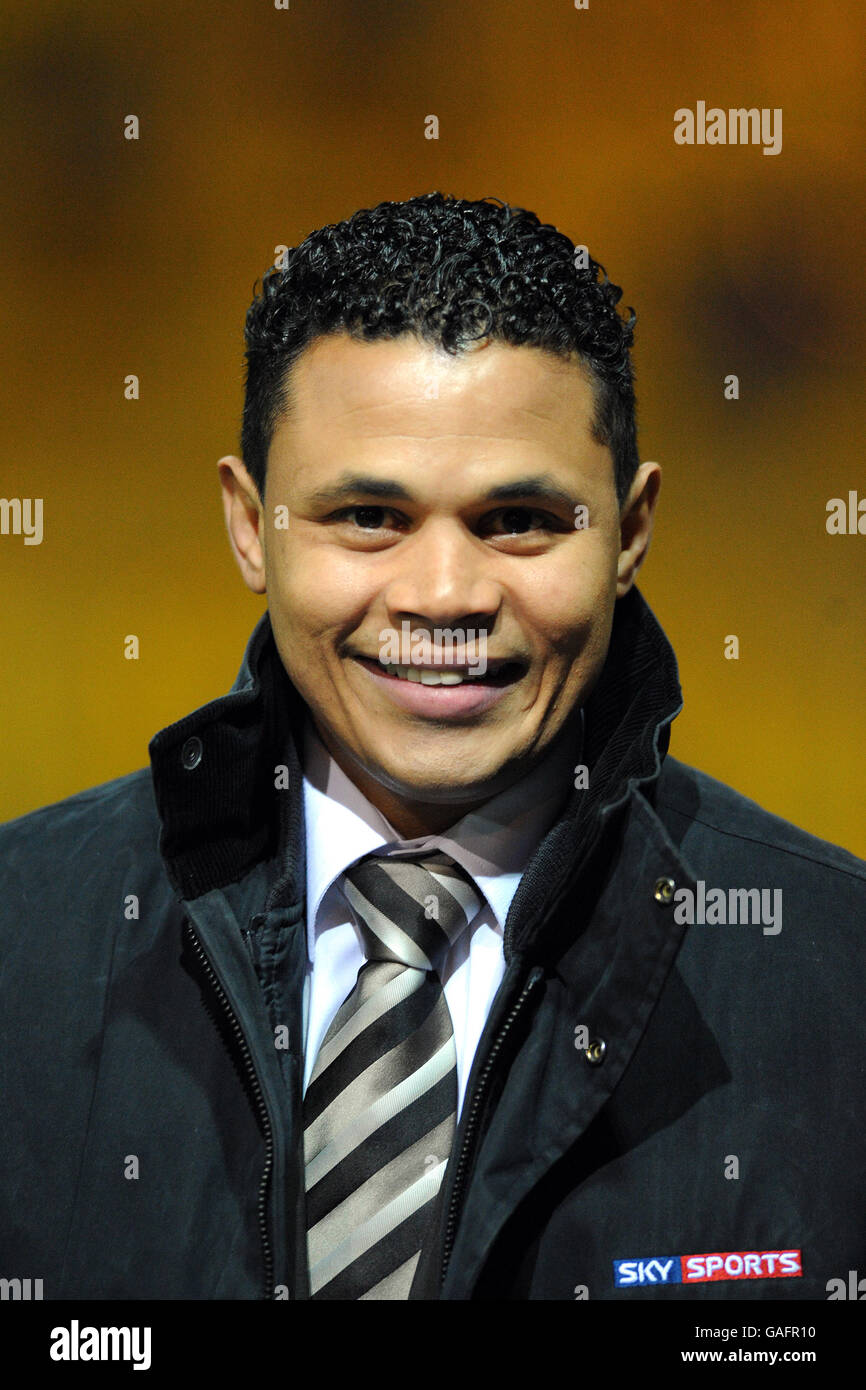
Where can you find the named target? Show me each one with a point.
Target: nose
(444, 578)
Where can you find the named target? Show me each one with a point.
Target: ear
(244, 516)
(636, 524)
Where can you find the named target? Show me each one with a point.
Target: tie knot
(411, 910)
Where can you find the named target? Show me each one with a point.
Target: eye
(366, 518)
(516, 521)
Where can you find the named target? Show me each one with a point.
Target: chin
(446, 791)
(423, 790)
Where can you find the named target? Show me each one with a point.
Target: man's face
(393, 466)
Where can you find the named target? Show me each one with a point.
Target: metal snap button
(191, 753)
(664, 890)
(596, 1050)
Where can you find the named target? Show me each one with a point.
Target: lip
(437, 701)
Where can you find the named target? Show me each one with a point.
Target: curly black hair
(448, 271)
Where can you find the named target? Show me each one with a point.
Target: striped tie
(380, 1108)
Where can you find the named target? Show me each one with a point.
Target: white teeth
(441, 678)
(413, 673)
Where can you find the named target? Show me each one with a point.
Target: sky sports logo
(702, 1269)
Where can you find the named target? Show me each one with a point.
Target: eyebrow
(539, 487)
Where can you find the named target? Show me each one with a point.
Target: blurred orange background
(258, 125)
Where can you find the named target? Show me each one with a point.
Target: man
(443, 981)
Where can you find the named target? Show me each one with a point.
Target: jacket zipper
(534, 976)
(260, 1102)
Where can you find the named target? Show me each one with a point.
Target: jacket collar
(225, 807)
(626, 736)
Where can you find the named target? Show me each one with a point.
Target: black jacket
(152, 933)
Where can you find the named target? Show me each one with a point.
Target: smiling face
(428, 493)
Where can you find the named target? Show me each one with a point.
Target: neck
(415, 818)
(411, 819)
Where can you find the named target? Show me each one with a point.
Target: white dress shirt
(493, 844)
